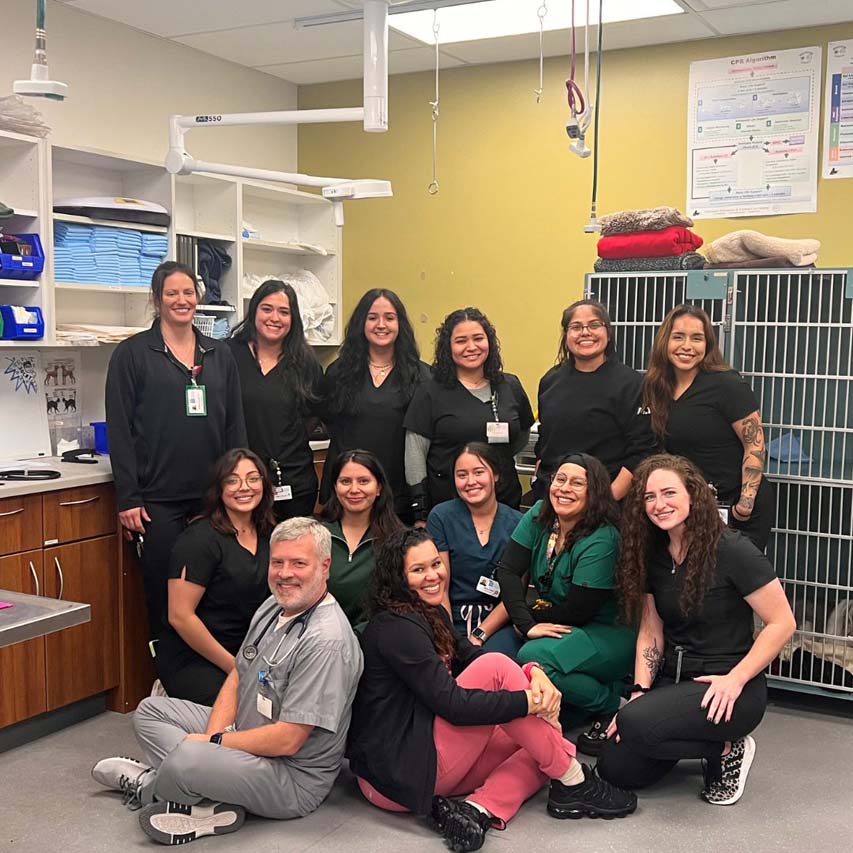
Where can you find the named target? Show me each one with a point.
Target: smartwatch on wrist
(480, 634)
(216, 738)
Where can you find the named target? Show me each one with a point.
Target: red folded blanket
(674, 240)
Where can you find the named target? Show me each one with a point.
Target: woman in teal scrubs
(568, 545)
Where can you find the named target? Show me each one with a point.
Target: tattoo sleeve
(653, 657)
(752, 438)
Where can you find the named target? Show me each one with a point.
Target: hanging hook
(432, 189)
(542, 11)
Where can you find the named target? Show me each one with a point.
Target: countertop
(73, 475)
(34, 616)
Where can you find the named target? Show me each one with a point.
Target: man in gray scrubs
(273, 741)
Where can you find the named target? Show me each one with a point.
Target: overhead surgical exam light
(40, 85)
(374, 115)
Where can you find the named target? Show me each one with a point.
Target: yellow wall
(505, 231)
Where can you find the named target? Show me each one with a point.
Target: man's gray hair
(295, 528)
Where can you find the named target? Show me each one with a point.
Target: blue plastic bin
(101, 444)
(29, 330)
(23, 267)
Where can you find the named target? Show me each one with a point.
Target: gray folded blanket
(650, 219)
(684, 261)
(753, 245)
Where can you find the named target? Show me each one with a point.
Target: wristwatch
(480, 634)
(217, 738)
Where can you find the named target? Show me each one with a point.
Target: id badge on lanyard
(196, 396)
(497, 431)
(280, 491)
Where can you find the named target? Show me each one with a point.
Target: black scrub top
(235, 583)
(450, 417)
(700, 427)
(275, 420)
(597, 412)
(722, 629)
(374, 423)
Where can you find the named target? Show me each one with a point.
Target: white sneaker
(175, 823)
(122, 774)
(735, 769)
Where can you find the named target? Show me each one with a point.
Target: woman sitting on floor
(567, 545)
(694, 587)
(435, 717)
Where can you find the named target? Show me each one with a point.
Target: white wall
(124, 84)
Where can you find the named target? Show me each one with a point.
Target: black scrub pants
(168, 521)
(757, 527)
(667, 724)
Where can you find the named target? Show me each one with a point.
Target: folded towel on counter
(674, 240)
(650, 219)
(753, 245)
(684, 261)
(763, 264)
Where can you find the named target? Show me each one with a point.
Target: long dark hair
(352, 360)
(383, 519)
(702, 531)
(601, 508)
(659, 381)
(443, 366)
(297, 356)
(389, 589)
(214, 509)
(600, 309)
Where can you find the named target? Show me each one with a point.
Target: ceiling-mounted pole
(376, 66)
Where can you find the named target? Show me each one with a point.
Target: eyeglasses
(576, 483)
(233, 482)
(592, 326)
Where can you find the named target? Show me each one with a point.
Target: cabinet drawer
(81, 513)
(20, 524)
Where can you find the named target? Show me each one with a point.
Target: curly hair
(601, 508)
(443, 366)
(297, 355)
(351, 366)
(212, 506)
(659, 381)
(389, 589)
(383, 519)
(703, 528)
(600, 309)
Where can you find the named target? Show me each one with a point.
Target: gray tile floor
(799, 798)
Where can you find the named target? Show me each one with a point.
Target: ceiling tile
(704, 5)
(557, 43)
(779, 15)
(273, 43)
(350, 67)
(180, 17)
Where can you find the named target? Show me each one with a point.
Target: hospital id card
(724, 512)
(264, 706)
(497, 432)
(196, 401)
(489, 586)
(283, 493)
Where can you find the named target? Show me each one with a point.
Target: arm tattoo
(751, 430)
(654, 659)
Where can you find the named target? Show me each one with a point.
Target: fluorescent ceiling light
(496, 18)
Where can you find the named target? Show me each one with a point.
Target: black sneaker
(734, 770)
(441, 809)
(176, 823)
(591, 741)
(591, 798)
(465, 827)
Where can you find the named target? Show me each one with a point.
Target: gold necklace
(381, 369)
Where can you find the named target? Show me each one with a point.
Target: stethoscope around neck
(250, 652)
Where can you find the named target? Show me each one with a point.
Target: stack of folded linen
(72, 255)
(155, 247)
(754, 250)
(647, 240)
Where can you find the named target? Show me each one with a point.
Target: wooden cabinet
(23, 691)
(20, 524)
(72, 514)
(83, 660)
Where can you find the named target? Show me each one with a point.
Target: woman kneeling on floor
(436, 717)
(694, 586)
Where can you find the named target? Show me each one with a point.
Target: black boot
(465, 827)
(591, 798)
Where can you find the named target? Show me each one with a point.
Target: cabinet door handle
(11, 512)
(79, 503)
(35, 577)
(61, 578)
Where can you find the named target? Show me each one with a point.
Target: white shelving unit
(23, 180)
(296, 231)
